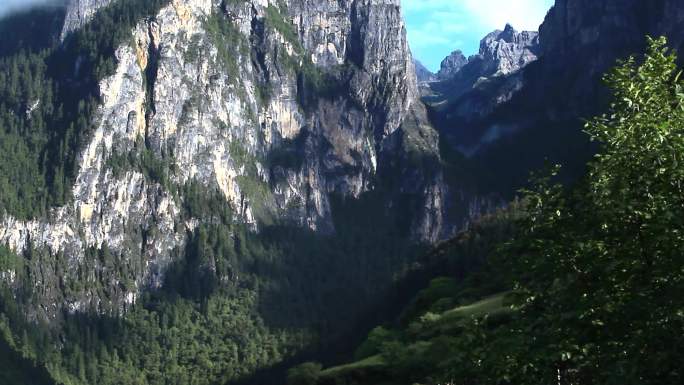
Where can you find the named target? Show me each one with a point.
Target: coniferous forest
(576, 278)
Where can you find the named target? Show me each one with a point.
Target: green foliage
(600, 264)
(8, 260)
(232, 303)
(597, 269)
(155, 168)
(231, 44)
(304, 374)
(441, 291)
(375, 342)
(20, 370)
(276, 20)
(433, 332)
(47, 108)
(406, 357)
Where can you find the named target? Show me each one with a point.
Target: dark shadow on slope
(18, 370)
(30, 31)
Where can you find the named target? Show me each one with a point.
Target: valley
(204, 192)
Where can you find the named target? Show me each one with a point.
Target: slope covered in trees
(586, 291)
(232, 303)
(595, 270)
(48, 97)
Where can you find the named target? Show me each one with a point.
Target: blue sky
(438, 27)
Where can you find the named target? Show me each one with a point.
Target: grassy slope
(367, 363)
(448, 322)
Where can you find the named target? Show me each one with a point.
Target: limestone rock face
(472, 88)
(423, 74)
(536, 113)
(233, 113)
(501, 53)
(451, 65)
(79, 12)
(507, 51)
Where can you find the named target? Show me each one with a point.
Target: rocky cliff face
(473, 88)
(511, 124)
(451, 65)
(422, 73)
(508, 51)
(501, 53)
(79, 12)
(592, 35)
(277, 105)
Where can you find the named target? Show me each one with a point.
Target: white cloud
(490, 14)
(522, 14)
(11, 6)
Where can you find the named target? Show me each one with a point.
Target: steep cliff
(451, 65)
(472, 88)
(501, 53)
(79, 12)
(422, 73)
(265, 166)
(593, 35)
(280, 107)
(512, 124)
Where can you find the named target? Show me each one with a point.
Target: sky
(438, 27)
(9, 6)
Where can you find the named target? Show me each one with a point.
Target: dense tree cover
(233, 302)
(602, 265)
(596, 269)
(419, 345)
(48, 94)
(31, 31)
(18, 370)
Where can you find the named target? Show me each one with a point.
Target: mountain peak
(508, 33)
(452, 64)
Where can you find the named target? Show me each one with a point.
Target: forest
(570, 283)
(583, 285)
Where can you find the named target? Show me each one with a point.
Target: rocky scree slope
(276, 105)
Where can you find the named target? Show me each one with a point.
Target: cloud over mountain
(11, 6)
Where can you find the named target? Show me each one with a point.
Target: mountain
(505, 52)
(80, 12)
(254, 173)
(229, 96)
(511, 123)
(501, 53)
(204, 191)
(534, 326)
(451, 65)
(472, 88)
(422, 73)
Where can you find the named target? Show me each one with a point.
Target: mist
(8, 7)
